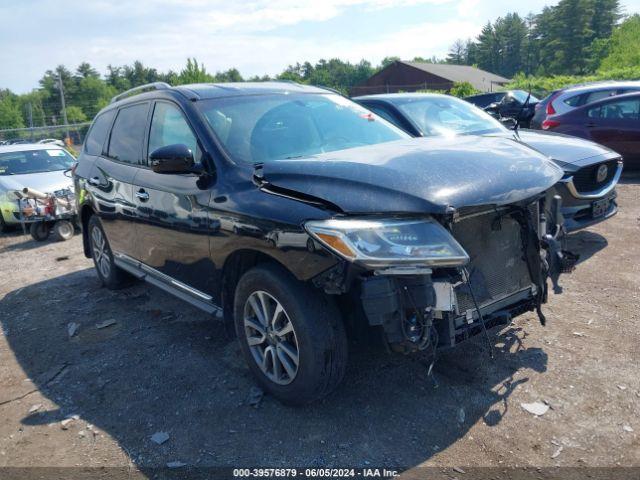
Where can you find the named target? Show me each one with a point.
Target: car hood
(45, 182)
(420, 175)
(571, 153)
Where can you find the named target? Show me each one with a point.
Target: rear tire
(39, 231)
(63, 230)
(315, 335)
(108, 272)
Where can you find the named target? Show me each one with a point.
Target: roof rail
(140, 89)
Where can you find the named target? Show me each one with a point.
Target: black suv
(303, 216)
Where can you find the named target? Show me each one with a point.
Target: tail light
(550, 109)
(547, 124)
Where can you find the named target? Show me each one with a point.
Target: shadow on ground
(586, 243)
(166, 367)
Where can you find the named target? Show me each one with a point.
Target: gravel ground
(162, 366)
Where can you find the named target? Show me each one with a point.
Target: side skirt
(170, 285)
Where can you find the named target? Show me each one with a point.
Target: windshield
(34, 161)
(521, 96)
(283, 126)
(447, 116)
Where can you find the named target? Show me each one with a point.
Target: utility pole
(30, 114)
(64, 108)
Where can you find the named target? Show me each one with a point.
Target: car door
(111, 179)
(173, 230)
(616, 124)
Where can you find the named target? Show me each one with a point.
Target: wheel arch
(235, 266)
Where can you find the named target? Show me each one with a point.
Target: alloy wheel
(100, 252)
(271, 338)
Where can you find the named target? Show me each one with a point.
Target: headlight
(377, 243)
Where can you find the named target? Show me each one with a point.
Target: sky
(257, 36)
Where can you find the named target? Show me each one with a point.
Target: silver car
(564, 100)
(38, 167)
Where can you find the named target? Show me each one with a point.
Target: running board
(170, 285)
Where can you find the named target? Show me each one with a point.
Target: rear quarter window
(98, 133)
(573, 101)
(127, 134)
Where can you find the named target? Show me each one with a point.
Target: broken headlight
(377, 243)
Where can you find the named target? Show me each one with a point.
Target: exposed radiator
(497, 267)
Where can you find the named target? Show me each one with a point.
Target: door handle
(142, 195)
(590, 125)
(95, 181)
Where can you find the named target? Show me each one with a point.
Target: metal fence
(71, 135)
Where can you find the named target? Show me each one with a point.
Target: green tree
(75, 115)
(624, 46)
(386, 61)
(462, 89)
(194, 73)
(10, 115)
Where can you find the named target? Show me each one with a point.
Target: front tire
(108, 272)
(291, 335)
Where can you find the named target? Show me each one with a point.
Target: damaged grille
(497, 268)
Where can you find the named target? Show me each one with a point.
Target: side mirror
(177, 158)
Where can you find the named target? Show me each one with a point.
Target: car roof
(205, 91)
(600, 86)
(389, 97)
(26, 147)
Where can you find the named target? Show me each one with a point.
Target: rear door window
(619, 110)
(127, 134)
(98, 133)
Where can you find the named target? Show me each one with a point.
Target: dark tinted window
(169, 127)
(98, 133)
(128, 132)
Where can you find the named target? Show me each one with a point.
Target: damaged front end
(439, 239)
(493, 266)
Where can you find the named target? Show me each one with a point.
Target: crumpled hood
(571, 153)
(420, 175)
(45, 182)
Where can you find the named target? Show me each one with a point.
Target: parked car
(347, 222)
(516, 104)
(613, 121)
(566, 99)
(36, 167)
(53, 141)
(588, 195)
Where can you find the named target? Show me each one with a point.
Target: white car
(38, 167)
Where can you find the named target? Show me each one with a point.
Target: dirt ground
(164, 367)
